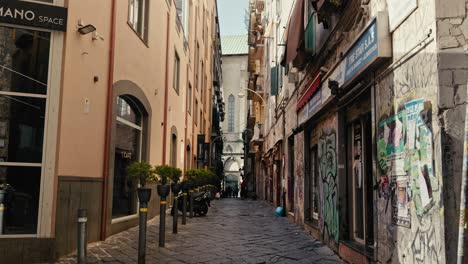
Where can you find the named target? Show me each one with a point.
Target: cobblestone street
(234, 231)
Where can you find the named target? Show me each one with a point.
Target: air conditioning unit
(293, 77)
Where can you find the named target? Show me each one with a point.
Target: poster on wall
(406, 159)
(401, 203)
(392, 162)
(392, 144)
(357, 155)
(420, 151)
(399, 10)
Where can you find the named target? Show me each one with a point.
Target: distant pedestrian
(235, 191)
(229, 191)
(244, 188)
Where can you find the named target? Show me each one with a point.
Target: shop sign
(373, 44)
(364, 51)
(302, 115)
(314, 103)
(33, 14)
(312, 106)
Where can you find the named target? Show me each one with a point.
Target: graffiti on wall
(299, 178)
(405, 157)
(426, 247)
(329, 193)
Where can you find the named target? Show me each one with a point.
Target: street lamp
(241, 95)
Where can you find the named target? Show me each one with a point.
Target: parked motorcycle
(201, 202)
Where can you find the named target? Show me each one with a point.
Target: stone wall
(409, 208)
(452, 44)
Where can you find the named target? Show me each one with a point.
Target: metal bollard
(142, 234)
(2, 216)
(191, 203)
(184, 208)
(175, 216)
(82, 239)
(162, 222)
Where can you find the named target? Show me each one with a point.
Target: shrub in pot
(175, 178)
(164, 172)
(144, 173)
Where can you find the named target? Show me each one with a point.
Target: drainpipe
(166, 91)
(464, 190)
(108, 121)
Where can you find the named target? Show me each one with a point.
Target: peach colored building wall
(81, 134)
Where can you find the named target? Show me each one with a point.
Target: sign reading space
(33, 14)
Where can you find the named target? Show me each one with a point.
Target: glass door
(24, 76)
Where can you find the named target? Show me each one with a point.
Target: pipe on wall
(108, 121)
(166, 90)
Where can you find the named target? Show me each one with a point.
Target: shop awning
(313, 86)
(295, 35)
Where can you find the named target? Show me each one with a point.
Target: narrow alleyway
(234, 231)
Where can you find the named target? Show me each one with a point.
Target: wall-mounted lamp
(334, 87)
(83, 30)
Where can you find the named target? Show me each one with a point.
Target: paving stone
(234, 231)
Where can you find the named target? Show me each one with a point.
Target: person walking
(235, 191)
(244, 188)
(229, 191)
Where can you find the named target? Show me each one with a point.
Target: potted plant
(164, 173)
(144, 173)
(175, 178)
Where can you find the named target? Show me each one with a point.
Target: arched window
(231, 113)
(128, 149)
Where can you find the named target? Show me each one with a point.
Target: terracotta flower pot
(163, 190)
(144, 194)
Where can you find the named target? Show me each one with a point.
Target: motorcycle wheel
(203, 210)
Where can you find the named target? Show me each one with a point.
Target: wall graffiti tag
(329, 192)
(426, 247)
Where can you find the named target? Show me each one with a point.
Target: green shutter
(274, 81)
(310, 35)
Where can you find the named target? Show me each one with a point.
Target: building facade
(77, 107)
(364, 147)
(234, 58)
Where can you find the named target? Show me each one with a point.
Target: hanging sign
(33, 14)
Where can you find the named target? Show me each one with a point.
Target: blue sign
(363, 52)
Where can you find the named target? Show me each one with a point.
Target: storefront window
(24, 64)
(128, 143)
